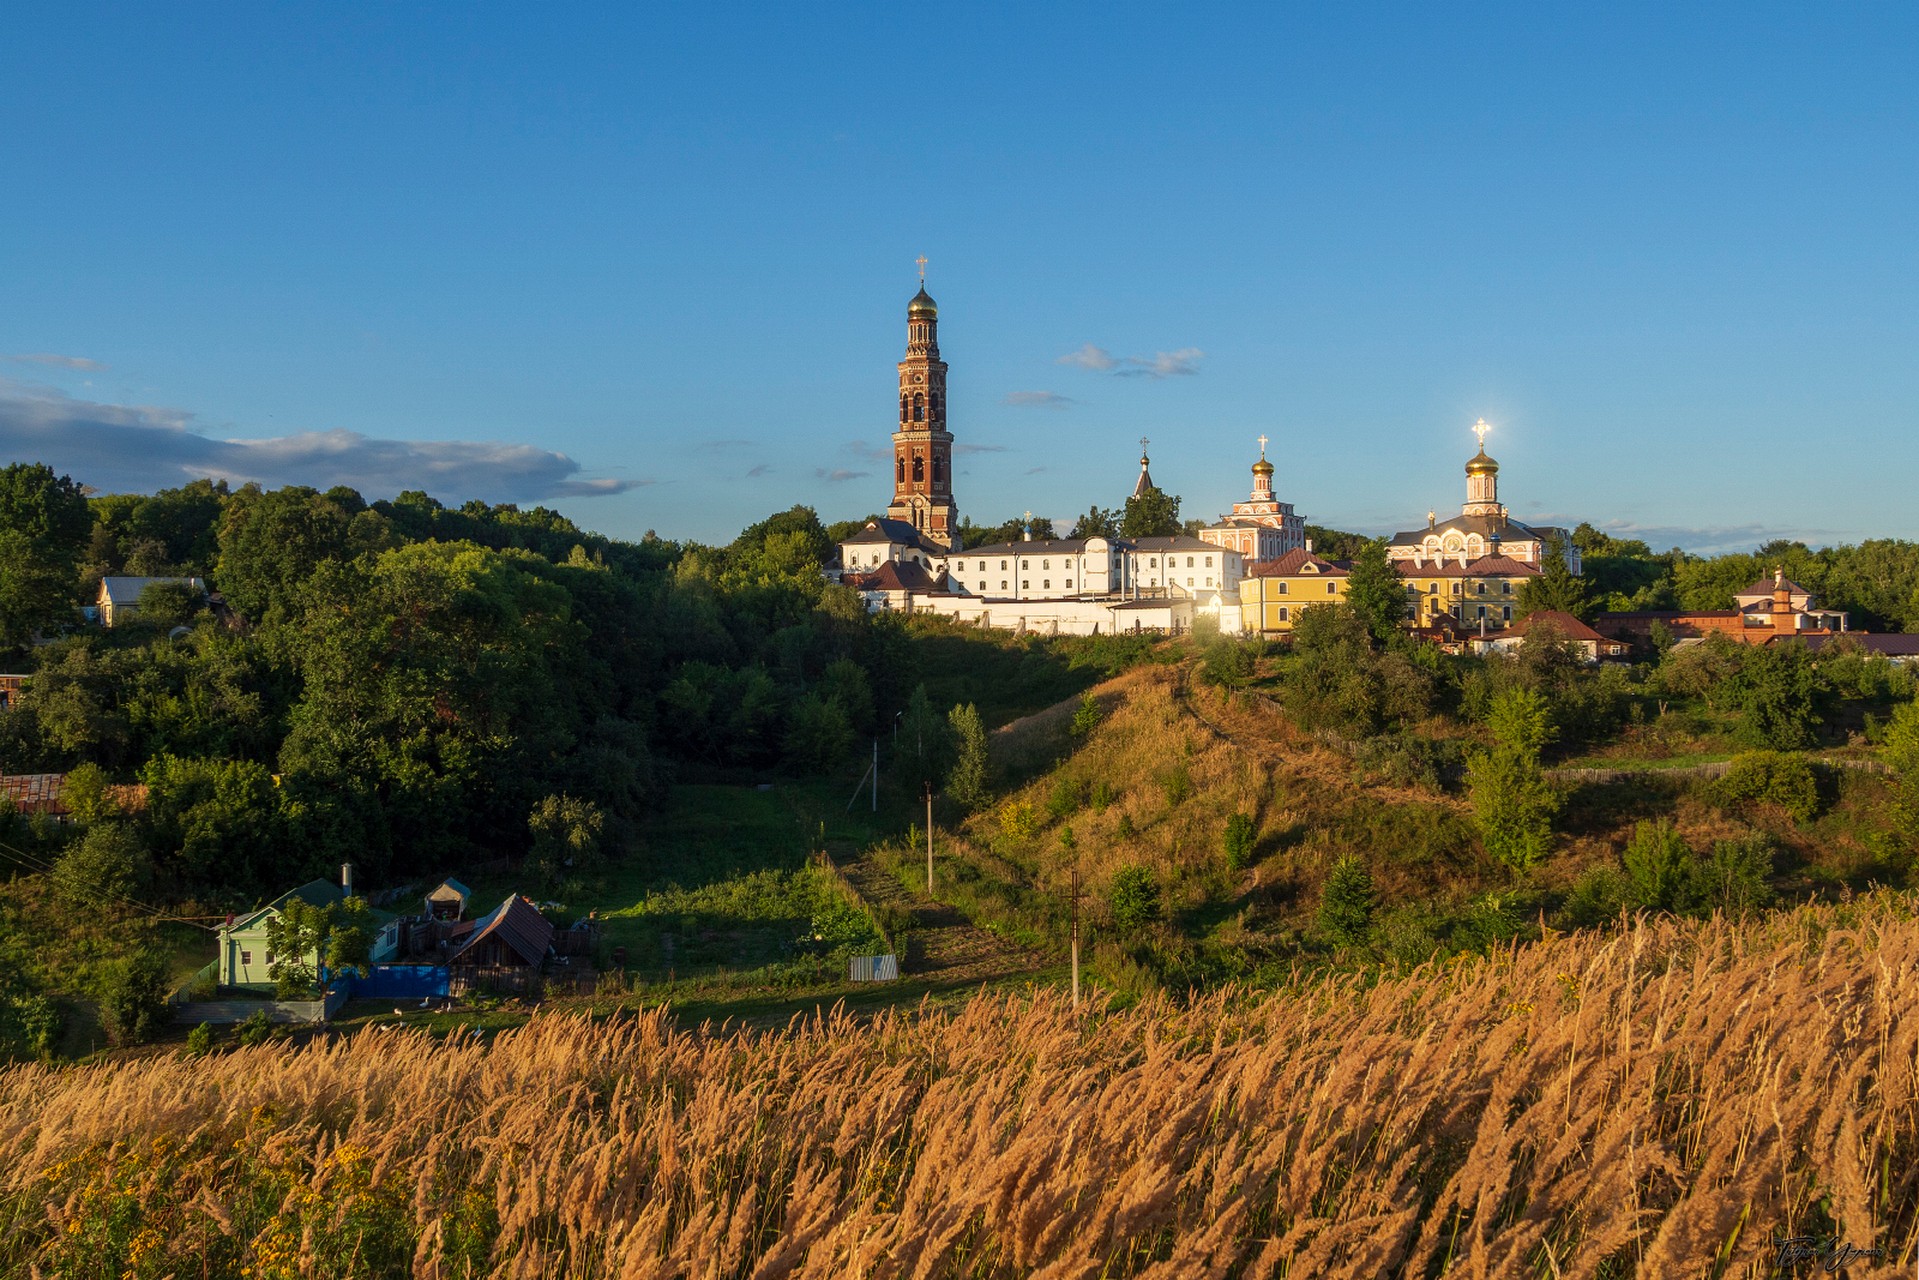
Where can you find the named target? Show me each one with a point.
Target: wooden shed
(514, 935)
(448, 901)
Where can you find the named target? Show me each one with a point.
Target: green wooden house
(243, 958)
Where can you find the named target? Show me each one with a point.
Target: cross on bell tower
(922, 446)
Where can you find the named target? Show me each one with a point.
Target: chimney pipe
(346, 879)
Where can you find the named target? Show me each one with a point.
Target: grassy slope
(1154, 785)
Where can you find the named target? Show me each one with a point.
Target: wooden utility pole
(1076, 937)
(929, 838)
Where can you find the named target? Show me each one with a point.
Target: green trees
(271, 542)
(966, 783)
(102, 870)
(1346, 903)
(1777, 687)
(44, 529)
(1099, 522)
(1152, 514)
(295, 936)
(1376, 593)
(923, 745)
(1513, 802)
(568, 835)
(1557, 587)
(1901, 754)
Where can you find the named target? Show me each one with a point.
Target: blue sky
(649, 264)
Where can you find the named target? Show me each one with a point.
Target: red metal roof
(34, 792)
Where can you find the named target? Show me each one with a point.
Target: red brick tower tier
(922, 446)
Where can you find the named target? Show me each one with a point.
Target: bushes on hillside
(1238, 840)
(133, 998)
(1346, 903)
(1660, 871)
(1780, 778)
(1512, 800)
(1133, 899)
(966, 782)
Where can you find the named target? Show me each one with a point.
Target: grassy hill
(1147, 796)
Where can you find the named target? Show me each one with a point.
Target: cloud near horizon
(52, 361)
(138, 448)
(1161, 364)
(1037, 400)
(840, 475)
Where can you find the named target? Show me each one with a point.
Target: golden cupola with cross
(922, 446)
(1262, 528)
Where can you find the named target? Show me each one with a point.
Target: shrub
(1238, 841)
(1086, 717)
(1781, 778)
(1514, 805)
(1134, 898)
(967, 781)
(1658, 867)
(1102, 795)
(1177, 783)
(1736, 877)
(257, 1029)
(200, 1040)
(1346, 903)
(1227, 663)
(1067, 797)
(1597, 897)
(1017, 820)
(1125, 828)
(133, 998)
(102, 870)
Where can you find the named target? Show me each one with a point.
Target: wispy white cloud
(963, 448)
(1161, 364)
(139, 448)
(839, 475)
(1037, 400)
(52, 361)
(722, 446)
(870, 452)
(1098, 359)
(759, 470)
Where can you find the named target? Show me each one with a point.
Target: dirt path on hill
(945, 946)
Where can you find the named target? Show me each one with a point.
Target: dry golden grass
(1658, 1103)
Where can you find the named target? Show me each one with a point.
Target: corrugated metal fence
(875, 968)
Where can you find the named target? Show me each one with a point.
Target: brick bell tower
(922, 446)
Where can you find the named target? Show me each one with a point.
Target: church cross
(1480, 429)
(922, 265)
(1262, 447)
(1143, 442)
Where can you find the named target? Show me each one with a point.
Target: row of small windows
(919, 470)
(913, 408)
(1332, 589)
(1432, 588)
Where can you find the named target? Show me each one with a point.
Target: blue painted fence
(398, 982)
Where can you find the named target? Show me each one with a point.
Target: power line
(153, 913)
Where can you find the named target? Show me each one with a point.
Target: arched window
(939, 469)
(919, 407)
(936, 406)
(919, 470)
(902, 406)
(899, 471)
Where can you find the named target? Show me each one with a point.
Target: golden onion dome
(1262, 468)
(1481, 465)
(923, 305)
